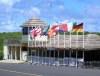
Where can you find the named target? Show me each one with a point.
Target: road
(25, 69)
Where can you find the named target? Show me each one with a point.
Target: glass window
(25, 30)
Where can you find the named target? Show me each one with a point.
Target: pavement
(11, 61)
(25, 69)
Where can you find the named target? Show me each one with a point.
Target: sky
(13, 13)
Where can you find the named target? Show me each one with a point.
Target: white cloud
(33, 12)
(9, 2)
(9, 26)
(65, 21)
(61, 7)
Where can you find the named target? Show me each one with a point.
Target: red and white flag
(35, 32)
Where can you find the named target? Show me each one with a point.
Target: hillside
(4, 36)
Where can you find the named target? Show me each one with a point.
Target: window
(25, 30)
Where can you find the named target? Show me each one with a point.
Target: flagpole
(64, 50)
(77, 48)
(28, 42)
(83, 36)
(46, 52)
(58, 48)
(50, 52)
(42, 54)
(31, 49)
(70, 39)
(35, 49)
(38, 50)
(54, 50)
(69, 59)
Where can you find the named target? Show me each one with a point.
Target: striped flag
(53, 30)
(51, 33)
(35, 32)
(63, 27)
(78, 28)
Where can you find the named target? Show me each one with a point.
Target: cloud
(9, 26)
(32, 12)
(35, 10)
(61, 7)
(9, 2)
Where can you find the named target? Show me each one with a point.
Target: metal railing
(55, 61)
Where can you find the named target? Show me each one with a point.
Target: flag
(51, 33)
(38, 31)
(70, 25)
(35, 32)
(63, 27)
(45, 30)
(78, 28)
(53, 30)
(32, 33)
(55, 27)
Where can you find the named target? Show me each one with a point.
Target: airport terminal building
(62, 49)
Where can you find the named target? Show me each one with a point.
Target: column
(8, 52)
(11, 53)
(64, 57)
(15, 53)
(83, 57)
(50, 58)
(69, 59)
(76, 59)
(20, 53)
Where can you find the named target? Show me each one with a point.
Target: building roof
(34, 22)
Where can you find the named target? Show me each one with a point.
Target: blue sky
(13, 13)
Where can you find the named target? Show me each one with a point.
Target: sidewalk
(11, 61)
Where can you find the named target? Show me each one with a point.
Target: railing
(92, 64)
(56, 61)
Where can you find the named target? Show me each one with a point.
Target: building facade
(69, 50)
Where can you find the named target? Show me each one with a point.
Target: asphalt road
(43, 70)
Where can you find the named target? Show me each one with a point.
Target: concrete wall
(5, 52)
(24, 55)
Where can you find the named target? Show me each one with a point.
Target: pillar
(64, 57)
(69, 59)
(20, 53)
(83, 55)
(76, 59)
(11, 53)
(15, 53)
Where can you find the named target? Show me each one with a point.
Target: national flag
(35, 32)
(51, 33)
(38, 31)
(53, 30)
(63, 27)
(70, 25)
(78, 28)
(55, 27)
(32, 33)
(45, 30)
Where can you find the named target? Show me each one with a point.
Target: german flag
(78, 28)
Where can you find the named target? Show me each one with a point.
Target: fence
(55, 61)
